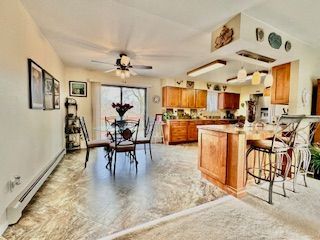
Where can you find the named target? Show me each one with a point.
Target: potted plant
(315, 161)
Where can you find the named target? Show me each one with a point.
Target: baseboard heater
(14, 210)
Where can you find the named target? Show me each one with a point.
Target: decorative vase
(251, 111)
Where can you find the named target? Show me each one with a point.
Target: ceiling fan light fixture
(206, 68)
(125, 60)
(256, 78)
(118, 72)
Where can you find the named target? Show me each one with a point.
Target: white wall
(30, 139)
(153, 86)
(305, 60)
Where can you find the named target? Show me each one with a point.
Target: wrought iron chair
(274, 169)
(303, 141)
(148, 136)
(92, 143)
(125, 138)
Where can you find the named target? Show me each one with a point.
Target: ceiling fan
(123, 66)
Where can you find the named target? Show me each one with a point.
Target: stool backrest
(287, 126)
(307, 129)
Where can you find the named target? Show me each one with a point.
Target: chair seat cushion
(143, 140)
(267, 145)
(99, 143)
(123, 147)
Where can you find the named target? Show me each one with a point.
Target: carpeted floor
(294, 217)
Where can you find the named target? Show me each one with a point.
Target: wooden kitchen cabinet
(178, 131)
(316, 138)
(184, 98)
(201, 98)
(280, 89)
(171, 97)
(174, 97)
(191, 98)
(213, 144)
(192, 131)
(228, 101)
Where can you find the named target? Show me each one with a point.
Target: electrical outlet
(16, 180)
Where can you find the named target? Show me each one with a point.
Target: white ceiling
(296, 17)
(173, 36)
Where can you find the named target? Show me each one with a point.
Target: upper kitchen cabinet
(174, 97)
(281, 84)
(171, 97)
(201, 98)
(191, 98)
(228, 100)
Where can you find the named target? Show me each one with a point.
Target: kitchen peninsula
(222, 153)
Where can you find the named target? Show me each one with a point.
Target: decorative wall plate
(287, 46)
(156, 99)
(259, 34)
(275, 40)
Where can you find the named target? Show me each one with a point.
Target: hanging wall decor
(56, 94)
(275, 40)
(77, 89)
(287, 46)
(190, 84)
(35, 85)
(48, 90)
(225, 37)
(259, 34)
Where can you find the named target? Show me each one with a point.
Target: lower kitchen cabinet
(182, 131)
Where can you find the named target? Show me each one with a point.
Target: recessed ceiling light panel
(207, 68)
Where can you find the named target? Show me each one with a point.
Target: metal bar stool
(273, 169)
(303, 141)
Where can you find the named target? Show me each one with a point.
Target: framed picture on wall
(77, 89)
(35, 85)
(56, 93)
(48, 90)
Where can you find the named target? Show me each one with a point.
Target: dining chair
(125, 138)
(92, 143)
(276, 167)
(148, 136)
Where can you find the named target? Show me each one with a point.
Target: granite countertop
(252, 133)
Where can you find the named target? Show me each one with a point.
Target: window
(132, 95)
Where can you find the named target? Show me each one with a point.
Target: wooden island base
(222, 154)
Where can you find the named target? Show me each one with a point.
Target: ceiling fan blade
(141, 67)
(96, 61)
(132, 72)
(110, 70)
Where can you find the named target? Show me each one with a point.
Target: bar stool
(274, 169)
(303, 141)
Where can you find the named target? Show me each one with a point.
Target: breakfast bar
(222, 154)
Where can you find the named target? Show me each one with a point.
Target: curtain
(96, 109)
(212, 101)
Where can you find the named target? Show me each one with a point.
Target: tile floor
(77, 203)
